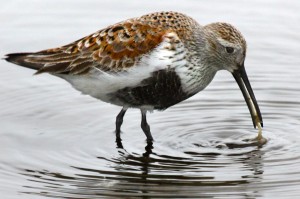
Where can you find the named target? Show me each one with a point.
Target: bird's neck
(196, 79)
(199, 69)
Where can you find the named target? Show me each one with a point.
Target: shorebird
(151, 63)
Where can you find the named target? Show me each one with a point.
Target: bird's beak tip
(241, 78)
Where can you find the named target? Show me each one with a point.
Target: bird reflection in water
(131, 174)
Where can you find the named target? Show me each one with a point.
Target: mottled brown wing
(115, 48)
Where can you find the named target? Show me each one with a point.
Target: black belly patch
(162, 90)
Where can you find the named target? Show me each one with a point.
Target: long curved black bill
(241, 78)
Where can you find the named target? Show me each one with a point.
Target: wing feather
(113, 49)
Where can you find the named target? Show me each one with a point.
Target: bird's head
(227, 48)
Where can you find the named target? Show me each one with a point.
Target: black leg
(119, 121)
(146, 128)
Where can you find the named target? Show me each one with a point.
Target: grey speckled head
(227, 45)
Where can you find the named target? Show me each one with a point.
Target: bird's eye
(229, 50)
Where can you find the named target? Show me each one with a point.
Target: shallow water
(57, 143)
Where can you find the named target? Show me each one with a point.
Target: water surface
(57, 143)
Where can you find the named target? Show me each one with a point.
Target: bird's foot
(119, 143)
(148, 148)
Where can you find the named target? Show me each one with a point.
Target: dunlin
(151, 63)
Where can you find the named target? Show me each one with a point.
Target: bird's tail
(43, 61)
(23, 59)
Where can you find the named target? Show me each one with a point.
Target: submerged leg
(119, 121)
(146, 128)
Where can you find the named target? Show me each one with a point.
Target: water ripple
(56, 143)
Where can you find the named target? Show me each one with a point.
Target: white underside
(100, 84)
